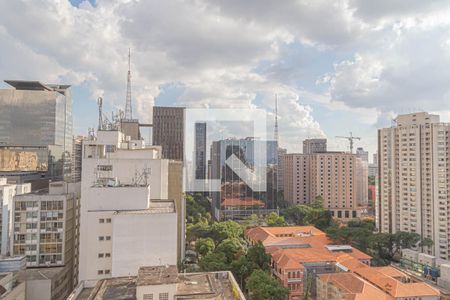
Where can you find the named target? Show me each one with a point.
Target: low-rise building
(164, 283)
(299, 251)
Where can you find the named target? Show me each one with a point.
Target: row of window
(107, 220)
(162, 296)
(101, 272)
(101, 255)
(104, 238)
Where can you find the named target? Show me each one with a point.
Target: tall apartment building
(168, 131)
(311, 146)
(44, 231)
(200, 150)
(339, 177)
(36, 129)
(126, 218)
(364, 155)
(7, 193)
(413, 179)
(76, 158)
(280, 180)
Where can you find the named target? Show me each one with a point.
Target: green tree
(204, 246)
(224, 230)
(257, 255)
(214, 261)
(307, 215)
(197, 230)
(232, 248)
(318, 202)
(262, 286)
(274, 220)
(426, 242)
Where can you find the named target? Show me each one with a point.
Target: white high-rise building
(124, 223)
(7, 193)
(413, 174)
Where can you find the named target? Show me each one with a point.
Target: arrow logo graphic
(253, 178)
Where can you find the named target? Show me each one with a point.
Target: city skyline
(333, 70)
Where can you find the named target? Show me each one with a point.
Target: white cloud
(215, 50)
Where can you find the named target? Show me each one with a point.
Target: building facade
(413, 173)
(200, 151)
(364, 155)
(168, 131)
(280, 179)
(238, 198)
(339, 178)
(311, 146)
(125, 205)
(36, 129)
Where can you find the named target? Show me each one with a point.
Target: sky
(336, 66)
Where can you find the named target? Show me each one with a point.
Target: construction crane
(350, 139)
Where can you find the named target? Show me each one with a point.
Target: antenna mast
(100, 113)
(128, 108)
(276, 120)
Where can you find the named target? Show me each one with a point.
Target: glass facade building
(237, 197)
(36, 129)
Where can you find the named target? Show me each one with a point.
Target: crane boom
(350, 139)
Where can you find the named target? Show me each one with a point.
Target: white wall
(143, 240)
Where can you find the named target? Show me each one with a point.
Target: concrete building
(359, 281)
(7, 193)
(164, 283)
(237, 198)
(280, 179)
(168, 131)
(413, 179)
(45, 232)
(12, 288)
(364, 155)
(36, 129)
(301, 251)
(311, 146)
(339, 177)
(76, 158)
(200, 151)
(125, 205)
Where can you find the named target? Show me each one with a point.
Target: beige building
(44, 231)
(340, 178)
(163, 283)
(168, 131)
(413, 179)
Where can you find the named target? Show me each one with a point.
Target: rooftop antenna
(100, 113)
(128, 108)
(350, 139)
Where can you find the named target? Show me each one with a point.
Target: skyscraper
(237, 198)
(364, 155)
(168, 131)
(200, 150)
(311, 146)
(413, 179)
(36, 129)
(339, 178)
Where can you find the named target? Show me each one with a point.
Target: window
(107, 254)
(101, 238)
(100, 272)
(107, 271)
(163, 296)
(108, 238)
(101, 220)
(108, 220)
(148, 297)
(100, 255)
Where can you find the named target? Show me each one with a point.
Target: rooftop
(292, 246)
(211, 285)
(390, 280)
(353, 287)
